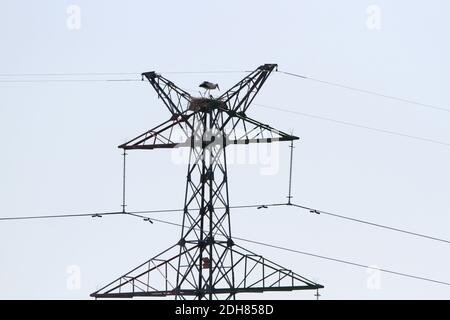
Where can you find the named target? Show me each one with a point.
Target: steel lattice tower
(206, 263)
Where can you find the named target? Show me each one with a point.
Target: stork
(208, 86)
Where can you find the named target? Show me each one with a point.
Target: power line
(316, 211)
(257, 206)
(402, 274)
(260, 206)
(139, 216)
(95, 214)
(374, 93)
(206, 72)
(346, 123)
(76, 74)
(312, 210)
(69, 74)
(69, 80)
(344, 261)
(351, 124)
(133, 213)
(238, 238)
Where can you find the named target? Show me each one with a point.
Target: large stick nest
(205, 104)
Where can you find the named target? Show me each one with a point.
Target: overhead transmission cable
(312, 210)
(142, 213)
(138, 213)
(94, 215)
(292, 74)
(69, 74)
(67, 80)
(241, 239)
(374, 93)
(304, 114)
(355, 264)
(89, 74)
(351, 124)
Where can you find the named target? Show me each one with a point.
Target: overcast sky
(59, 140)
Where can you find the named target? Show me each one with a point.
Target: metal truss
(206, 263)
(251, 273)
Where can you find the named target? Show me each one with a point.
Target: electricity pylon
(206, 263)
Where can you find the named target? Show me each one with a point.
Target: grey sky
(59, 140)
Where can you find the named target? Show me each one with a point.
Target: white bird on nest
(208, 86)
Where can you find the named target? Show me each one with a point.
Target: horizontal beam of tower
(182, 132)
(194, 292)
(254, 274)
(188, 144)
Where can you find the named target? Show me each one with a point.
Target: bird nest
(205, 104)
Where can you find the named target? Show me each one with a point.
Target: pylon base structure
(252, 273)
(206, 263)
